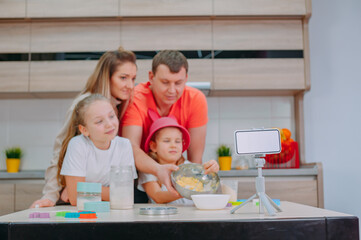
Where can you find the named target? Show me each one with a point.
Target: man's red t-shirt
(190, 109)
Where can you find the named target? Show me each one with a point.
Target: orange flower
(286, 133)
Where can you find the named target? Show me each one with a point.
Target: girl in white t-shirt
(166, 142)
(92, 146)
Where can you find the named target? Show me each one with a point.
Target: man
(167, 94)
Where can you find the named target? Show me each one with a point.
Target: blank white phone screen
(263, 141)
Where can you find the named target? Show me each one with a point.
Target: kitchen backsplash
(34, 123)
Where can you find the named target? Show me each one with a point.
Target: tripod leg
(263, 200)
(244, 203)
(274, 204)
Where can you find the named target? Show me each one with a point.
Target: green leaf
(13, 152)
(224, 151)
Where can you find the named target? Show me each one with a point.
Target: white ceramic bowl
(210, 201)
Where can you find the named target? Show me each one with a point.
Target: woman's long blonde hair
(99, 81)
(77, 118)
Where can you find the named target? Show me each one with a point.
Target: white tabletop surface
(185, 213)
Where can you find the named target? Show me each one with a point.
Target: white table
(295, 222)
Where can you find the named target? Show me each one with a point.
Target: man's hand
(163, 174)
(42, 203)
(211, 166)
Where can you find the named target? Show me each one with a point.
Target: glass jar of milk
(121, 187)
(88, 192)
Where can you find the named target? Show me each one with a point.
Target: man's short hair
(173, 59)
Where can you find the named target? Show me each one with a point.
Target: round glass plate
(158, 211)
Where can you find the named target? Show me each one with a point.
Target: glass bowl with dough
(190, 180)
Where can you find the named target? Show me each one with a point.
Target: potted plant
(13, 156)
(224, 157)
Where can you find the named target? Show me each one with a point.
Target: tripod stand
(264, 200)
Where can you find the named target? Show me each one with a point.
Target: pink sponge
(39, 215)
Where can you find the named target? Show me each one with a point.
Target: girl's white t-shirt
(146, 177)
(83, 159)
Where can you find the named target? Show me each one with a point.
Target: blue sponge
(72, 215)
(97, 206)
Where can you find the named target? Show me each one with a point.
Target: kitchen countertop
(26, 174)
(307, 170)
(296, 221)
(302, 171)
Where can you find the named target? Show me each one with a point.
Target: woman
(114, 78)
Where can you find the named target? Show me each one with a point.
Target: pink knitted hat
(162, 122)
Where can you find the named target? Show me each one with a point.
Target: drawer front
(6, 198)
(303, 191)
(26, 194)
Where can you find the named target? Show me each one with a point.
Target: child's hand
(42, 203)
(163, 174)
(64, 195)
(211, 166)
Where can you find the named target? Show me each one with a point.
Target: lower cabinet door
(7, 203)
(26, 194)
(301, 190)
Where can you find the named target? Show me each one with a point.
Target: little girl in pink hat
(166, 142)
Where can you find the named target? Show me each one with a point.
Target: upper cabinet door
(260, 7)
(14, 37)
(14, 76)
(14, 64)
(75, 36)
(165, 7)
(60, 76)
(159, 35)
(257, 34)
(259, 74)
(12, 8)
(72, 8)
(262, 55)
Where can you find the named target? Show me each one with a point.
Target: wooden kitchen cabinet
(26, 194)
(211, 26)
(12, 9)
(260, 7)
(70, 8)
(75, 36)
(185, 34)
(16, 195)
(16, 39)
(303, 185)
(294, 189)
(257, 34)
(263, 72)
(7, 198)
(60, 76)
(165, 8)
(14, 77)
(259, 74)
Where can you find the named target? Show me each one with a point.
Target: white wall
(31, 124)
(332, 107)
(34, 123)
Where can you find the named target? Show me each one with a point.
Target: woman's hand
(163, 174)
(42, 203)
(211, 166)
